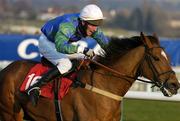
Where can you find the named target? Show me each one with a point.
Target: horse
(107, 82)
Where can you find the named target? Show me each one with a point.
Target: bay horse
(126, 59)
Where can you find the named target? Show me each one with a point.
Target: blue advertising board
(18, 47)
(172, 47)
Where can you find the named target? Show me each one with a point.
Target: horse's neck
(129, 63)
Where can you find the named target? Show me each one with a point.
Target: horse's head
(141, 56)
(156, 66)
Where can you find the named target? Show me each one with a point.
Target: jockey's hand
(89, 52)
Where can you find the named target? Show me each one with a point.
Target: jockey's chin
(89, 33)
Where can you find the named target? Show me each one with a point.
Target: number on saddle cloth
(46, 90)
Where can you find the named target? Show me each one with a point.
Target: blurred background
(21, 20)
(160, 16)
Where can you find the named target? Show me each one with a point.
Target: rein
(120, 75)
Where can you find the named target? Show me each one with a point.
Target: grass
(144, 110)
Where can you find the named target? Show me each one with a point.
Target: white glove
(89, 52)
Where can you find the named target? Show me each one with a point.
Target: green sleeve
(66, 30)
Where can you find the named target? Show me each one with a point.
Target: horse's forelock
(153, 39)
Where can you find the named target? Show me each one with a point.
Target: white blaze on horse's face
(164, 54)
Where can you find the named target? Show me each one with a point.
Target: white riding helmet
(92, 14)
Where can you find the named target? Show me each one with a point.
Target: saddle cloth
(46, 90)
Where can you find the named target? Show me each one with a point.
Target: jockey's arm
(66, 30)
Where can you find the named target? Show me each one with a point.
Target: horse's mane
(118, 47)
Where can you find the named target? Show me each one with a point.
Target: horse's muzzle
(170, 89)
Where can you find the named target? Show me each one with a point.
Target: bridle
(149, 58)
(156, 81)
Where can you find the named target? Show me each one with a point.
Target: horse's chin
(168, 92)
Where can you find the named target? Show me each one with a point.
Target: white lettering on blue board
(23, 47)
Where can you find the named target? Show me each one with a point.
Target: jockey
(58, 43)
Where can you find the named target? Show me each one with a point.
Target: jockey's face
(90, 29)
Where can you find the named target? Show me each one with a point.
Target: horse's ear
(146, 40)
(156, 37)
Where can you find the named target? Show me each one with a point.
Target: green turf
(143, 110)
